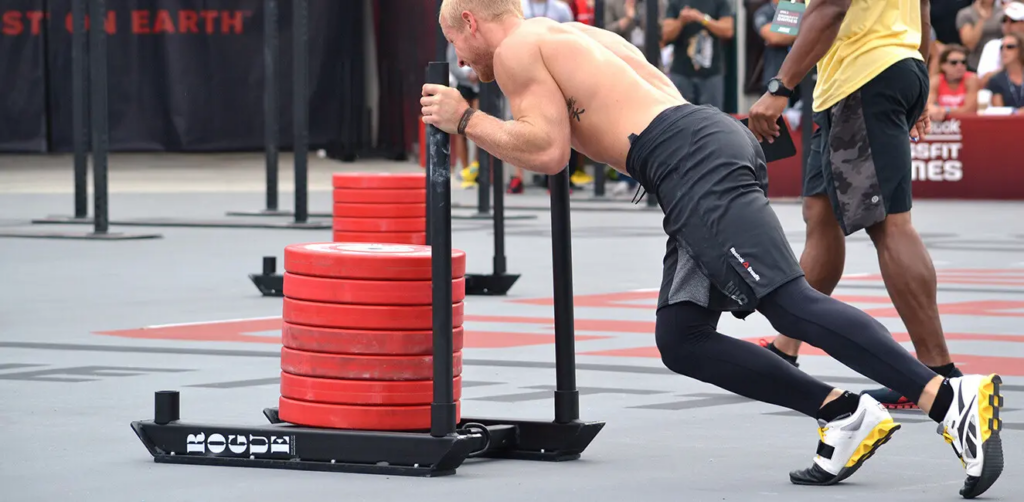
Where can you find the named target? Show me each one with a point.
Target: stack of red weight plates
(358, 335)
(380, 207)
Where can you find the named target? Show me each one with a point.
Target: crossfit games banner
(975, 157)
(184, 75)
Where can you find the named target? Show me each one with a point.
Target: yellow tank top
(874, 35)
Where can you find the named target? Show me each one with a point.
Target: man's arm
(615, 19)
(818, 30)
(723, 28)
(672, 25)
(775, 39)
(538, 138)
(763, 23)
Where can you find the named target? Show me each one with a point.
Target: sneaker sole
(991, 445)
(879, 436)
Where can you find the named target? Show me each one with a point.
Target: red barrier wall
(978, 157)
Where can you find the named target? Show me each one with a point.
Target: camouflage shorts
(861, 154)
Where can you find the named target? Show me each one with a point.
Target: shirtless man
(574, 87)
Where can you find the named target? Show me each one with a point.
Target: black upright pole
(483, 176)
(599, 168)
(652, 49)
(100, 139)
(441, 51)
(270, 112)
(567, 398)
(300, 103)
(497, 170)
(442, 410)
(79, 108)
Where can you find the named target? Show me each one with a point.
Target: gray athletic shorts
(726, 249)
(860, 153)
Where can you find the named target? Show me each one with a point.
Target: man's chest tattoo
(574, 111)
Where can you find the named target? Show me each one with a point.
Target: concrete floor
(75, 369)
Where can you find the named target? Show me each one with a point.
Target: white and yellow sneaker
(846, 443)
(972, 426)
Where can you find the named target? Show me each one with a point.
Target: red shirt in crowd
(949, 97)
(582, 11)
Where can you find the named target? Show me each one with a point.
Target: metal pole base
(489, 284)
(188, 223)
(270, 283)
(90, 236)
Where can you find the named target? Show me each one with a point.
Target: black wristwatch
(776, 88)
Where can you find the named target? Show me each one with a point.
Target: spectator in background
(468, 84)
(559, 11)
(628, 19)
(954, 90)
(583, 11)
(776, 44)
(1007, 86)
(977, 24)
(943, 18)
(552, 9)
(991, 61)
(697, 28)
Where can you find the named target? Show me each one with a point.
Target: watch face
(773, 86)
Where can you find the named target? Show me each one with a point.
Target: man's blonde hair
(484, 10)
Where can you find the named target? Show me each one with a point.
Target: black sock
(776, 351)
(947, 370)
(845, 404)
(943, 400)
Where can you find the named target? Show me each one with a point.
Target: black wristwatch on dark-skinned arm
(776, 88)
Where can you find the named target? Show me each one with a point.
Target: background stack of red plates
(380, 207)
(358, 335)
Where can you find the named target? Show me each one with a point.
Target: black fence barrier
(100, 91)
(184, 75)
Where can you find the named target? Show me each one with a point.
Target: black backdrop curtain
(185, 75)
(405, 44)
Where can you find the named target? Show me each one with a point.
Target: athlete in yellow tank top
(874, 35)
(851, 41)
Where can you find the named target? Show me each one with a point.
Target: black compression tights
(690, 345)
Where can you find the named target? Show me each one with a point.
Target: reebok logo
(745, 264)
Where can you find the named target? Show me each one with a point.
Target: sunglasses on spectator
(1008, 47)
(956, 62)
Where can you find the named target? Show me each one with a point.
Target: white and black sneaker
(972, 426)
(846, 443)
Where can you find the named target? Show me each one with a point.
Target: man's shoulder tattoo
(574, 111)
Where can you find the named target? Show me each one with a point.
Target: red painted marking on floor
(985, 277)
(600, 325)
(237, 331)
(503, 340)
(987, 308)
(230, 331)
(604, 300)
(1005, 366)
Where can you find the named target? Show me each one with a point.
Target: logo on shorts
(746, 264)
(733, 292)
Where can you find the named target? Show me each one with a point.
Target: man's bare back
(605, 86)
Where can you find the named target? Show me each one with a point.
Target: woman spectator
(954, 90)
(977, 24)
(1007, 86)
